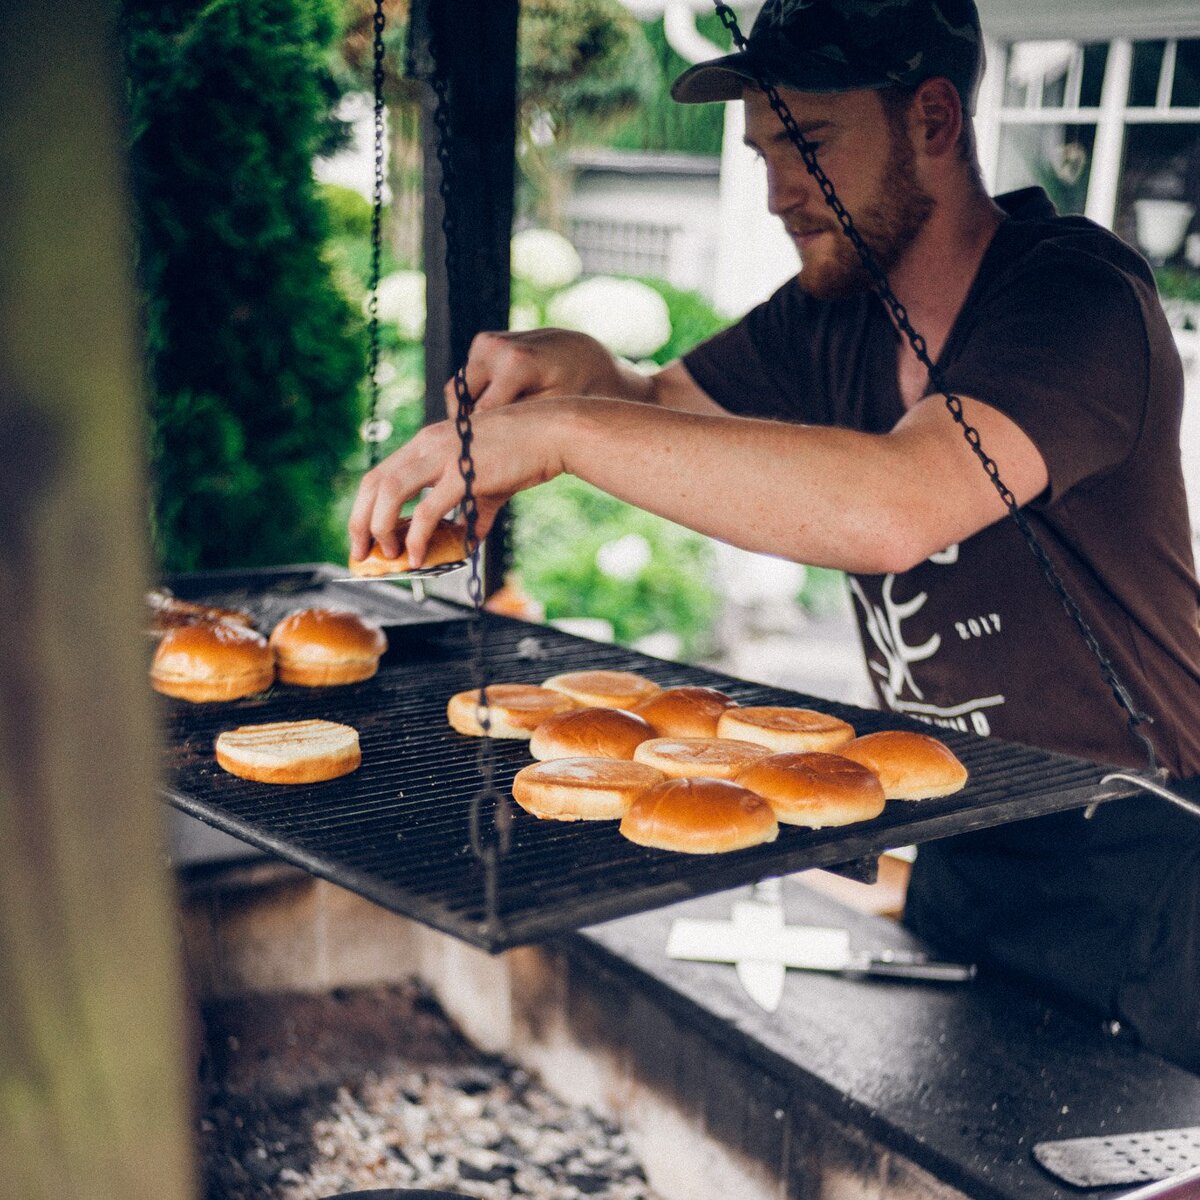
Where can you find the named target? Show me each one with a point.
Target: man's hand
(513, 449)
(504, 368)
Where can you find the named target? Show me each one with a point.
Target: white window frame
(1111, 118)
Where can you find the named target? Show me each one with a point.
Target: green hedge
(255, 357)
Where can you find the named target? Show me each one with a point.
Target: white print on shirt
(896, 655)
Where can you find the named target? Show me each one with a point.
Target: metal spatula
(1091, 1162)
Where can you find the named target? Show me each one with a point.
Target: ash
(306, 1097)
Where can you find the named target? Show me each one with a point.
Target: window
(1111, 130)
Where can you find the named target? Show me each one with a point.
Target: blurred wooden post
(92, 1082)
(478, 39)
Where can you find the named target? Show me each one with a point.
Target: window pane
(1159, 194)
(1031, 63)
(1186, 91)
(1055, 157)
(1095, 58)
(1147, 66)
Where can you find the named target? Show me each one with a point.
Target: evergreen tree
(255, 359)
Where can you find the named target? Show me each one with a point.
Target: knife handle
(914, 966)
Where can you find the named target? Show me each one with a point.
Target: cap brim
(718, 79)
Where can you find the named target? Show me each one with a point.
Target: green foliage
(1178, 283)
(663, 125)
(693, 319)
(582, 60)
(559, 529)
(349, 211)
(255, 356)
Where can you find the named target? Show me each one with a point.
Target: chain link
(490, 845)
(374, 426)
(953, 403)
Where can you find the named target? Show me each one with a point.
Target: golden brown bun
(603, 689)
(685, 711)
(447, 544)
(911, 766)
(785, 730)
(815, 789)
(317, 647)
(582, 789)
(713, 758)
(168, 611)
(515, 710)
(699, 816)
(212, 661)
(289, 751)
(589, 733)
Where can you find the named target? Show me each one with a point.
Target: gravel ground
(307, 1097)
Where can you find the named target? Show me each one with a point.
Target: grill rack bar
(396, 831)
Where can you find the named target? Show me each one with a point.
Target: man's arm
(506, 368)
(869, 503)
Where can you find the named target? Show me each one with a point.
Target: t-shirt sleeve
(742, 369)
(1061, 348)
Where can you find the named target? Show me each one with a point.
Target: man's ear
(937, 118)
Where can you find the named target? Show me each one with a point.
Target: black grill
(396, 830)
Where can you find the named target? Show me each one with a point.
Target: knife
(762, 948)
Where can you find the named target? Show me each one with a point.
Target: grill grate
(396, 830)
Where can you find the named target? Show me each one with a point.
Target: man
(808, 430)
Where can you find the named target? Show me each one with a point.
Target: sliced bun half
(582, 789)
(785, 730)
(603, 689)
(815, 789)
(713, 758)
(212, 660)
(911, 766)
(685, 711)
(699, 816)
(447, 544)
(590, 733)
(514, 710)
(289, 751)
(317, 647)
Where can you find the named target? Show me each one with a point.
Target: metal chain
(489, 847)
(376, 431)
(953, 403)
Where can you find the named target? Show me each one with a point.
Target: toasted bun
(699, 816)
(911, 766)
(713, 758)
(582, 789)
(589, 733)
(603, 689)
(815, 789)
(685, 711)
(289, 751)
(316, 647)
(785, 730)
(514, 710)
(168, 611)
(447, 544)
(212, 661)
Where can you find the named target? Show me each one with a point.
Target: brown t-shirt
(1061, 331)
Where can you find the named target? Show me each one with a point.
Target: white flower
(545, 258)
(402, 300)
(626, 316)
(522, 317)
(624, 558)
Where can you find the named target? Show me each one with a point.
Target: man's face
(871, 163)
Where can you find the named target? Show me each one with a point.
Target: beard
(889, 224)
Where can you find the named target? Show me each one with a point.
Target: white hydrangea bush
(627, 317)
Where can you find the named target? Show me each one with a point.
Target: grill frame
(396, 830)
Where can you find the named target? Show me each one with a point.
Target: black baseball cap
(845, 45)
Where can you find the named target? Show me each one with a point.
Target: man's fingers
(359, 524)
(434, 505)
(385, 513)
